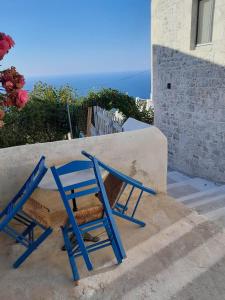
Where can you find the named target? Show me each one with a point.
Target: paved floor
(179, 255)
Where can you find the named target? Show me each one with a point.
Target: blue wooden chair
(14, 212)
(121, 182)
(75, 225)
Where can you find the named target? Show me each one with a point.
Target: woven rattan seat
(38, 212)
(89, 214)
(46, 217)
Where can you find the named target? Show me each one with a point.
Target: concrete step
(220, 221)
(214, 204)
(174, 177)
(203, 195)
(206, 197)
(198, 183)
(211, 198)
(215, 214)
(188, 187)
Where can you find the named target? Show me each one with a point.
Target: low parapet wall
(141, 154)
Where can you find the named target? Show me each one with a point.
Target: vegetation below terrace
(45, 118)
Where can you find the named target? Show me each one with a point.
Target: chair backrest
(78, 189)
(73, 167)
(122, 177)
(69, 192)
(16, 204)
(115, 185)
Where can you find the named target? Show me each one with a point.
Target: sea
(134, 83)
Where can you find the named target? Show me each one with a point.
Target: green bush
(145, 115)
(45, 117)
(110, 98)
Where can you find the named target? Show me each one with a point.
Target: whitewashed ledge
(141, 154)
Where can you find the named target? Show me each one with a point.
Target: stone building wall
(189, 87)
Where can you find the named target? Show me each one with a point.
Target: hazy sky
(56, 37)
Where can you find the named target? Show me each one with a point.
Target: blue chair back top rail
(118, 174)
(72, 167)
(91, 186)
(14, 211)
(120, 209)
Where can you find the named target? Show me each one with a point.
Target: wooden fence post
(89, 115)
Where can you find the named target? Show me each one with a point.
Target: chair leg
(114, 246)
(128, 218)
(32, 247)
(69, 250)
(82, 247)
(115, 234)
(29, 229)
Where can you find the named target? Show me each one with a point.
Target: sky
(60, 37)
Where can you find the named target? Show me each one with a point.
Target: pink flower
(4, 48)
(12, 76)
(22, 98)
(6, 43)
(8, 86)
(9, 40)
(21, 81)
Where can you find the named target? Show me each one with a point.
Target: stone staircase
(206, 197)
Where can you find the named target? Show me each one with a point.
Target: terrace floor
(178, 255)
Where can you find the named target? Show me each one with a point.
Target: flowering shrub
(12, 82)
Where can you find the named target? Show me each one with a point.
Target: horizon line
(85, 73)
